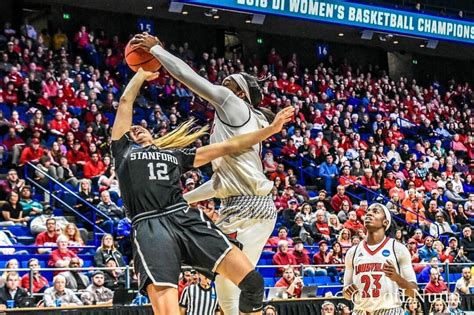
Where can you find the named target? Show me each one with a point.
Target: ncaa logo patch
(386, 253)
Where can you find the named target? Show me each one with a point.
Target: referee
(199, 298)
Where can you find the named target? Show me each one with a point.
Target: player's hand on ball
(349, 291)
(390, 271)
(283, 117)
(149, 76)
(145, 41)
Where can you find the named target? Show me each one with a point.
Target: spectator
(40, 283)
(424, 275)
(11, 266)
(109, 207)
(353, 223)
(467, 242)
(61, 257)
(283, 257)
(328, 171)
(298, 230)
(328, 308)
(322, 257)
(11, 183)
(48, 237)
(185, 279)
(438, 307)
(106, 251)
(463, 284)
(61, 293)
(114, 278)
(436, 284)
(440, 227)
(427, 251)
(338, 198)
(94, 168)
(12, 211)
(12, 291)
(33, 153)
(300, 253)
(75, 279)
(290, 281)
(86, 193)
(96, 293)
(453, 195)
(454, 304)
(319, 230)
(269, 310)
(282, 235)
(30, 206)
(74, 236)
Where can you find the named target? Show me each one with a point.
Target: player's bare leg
(237, 268)
(163, 299)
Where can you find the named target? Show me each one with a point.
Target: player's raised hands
(284, 116)
(147, 75)
(145, 41)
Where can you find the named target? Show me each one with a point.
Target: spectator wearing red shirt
(282, 236)
(59, 126)
(338, 198)
(48, 237)
(290, 151)
(322, 257)
(353, 224)
(40, 283)
(32, 153)
(290, 281)
(280, 172)
(436, 284)
(94, 168)
(300, 253)
(186, 279)
(9, 96)
(389, 181)
(320, 229)
(61, 257)
(76, 156)
(369, 181)
(283, 257)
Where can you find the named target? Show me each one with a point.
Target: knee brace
(251, 295)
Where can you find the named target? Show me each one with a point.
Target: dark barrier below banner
(284, 307)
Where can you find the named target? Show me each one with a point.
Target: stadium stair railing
(98, 232)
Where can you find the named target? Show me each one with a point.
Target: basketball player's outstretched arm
(240, 143)
(123, 121)
(214, 94)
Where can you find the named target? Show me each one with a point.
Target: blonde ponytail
(181, 137)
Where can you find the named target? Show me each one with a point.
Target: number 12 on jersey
(371, 281)
(158, 171)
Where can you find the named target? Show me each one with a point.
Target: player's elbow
(124, 100)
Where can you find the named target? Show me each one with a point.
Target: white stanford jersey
(364, 268)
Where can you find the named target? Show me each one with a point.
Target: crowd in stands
(358, 136)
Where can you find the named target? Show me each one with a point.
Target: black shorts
(162, 244)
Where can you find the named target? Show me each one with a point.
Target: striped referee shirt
(199, 301)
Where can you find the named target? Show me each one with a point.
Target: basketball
(137, 57)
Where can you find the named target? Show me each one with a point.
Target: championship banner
(354, 14)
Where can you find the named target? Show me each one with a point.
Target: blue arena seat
(267, 272)
(269, 282)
